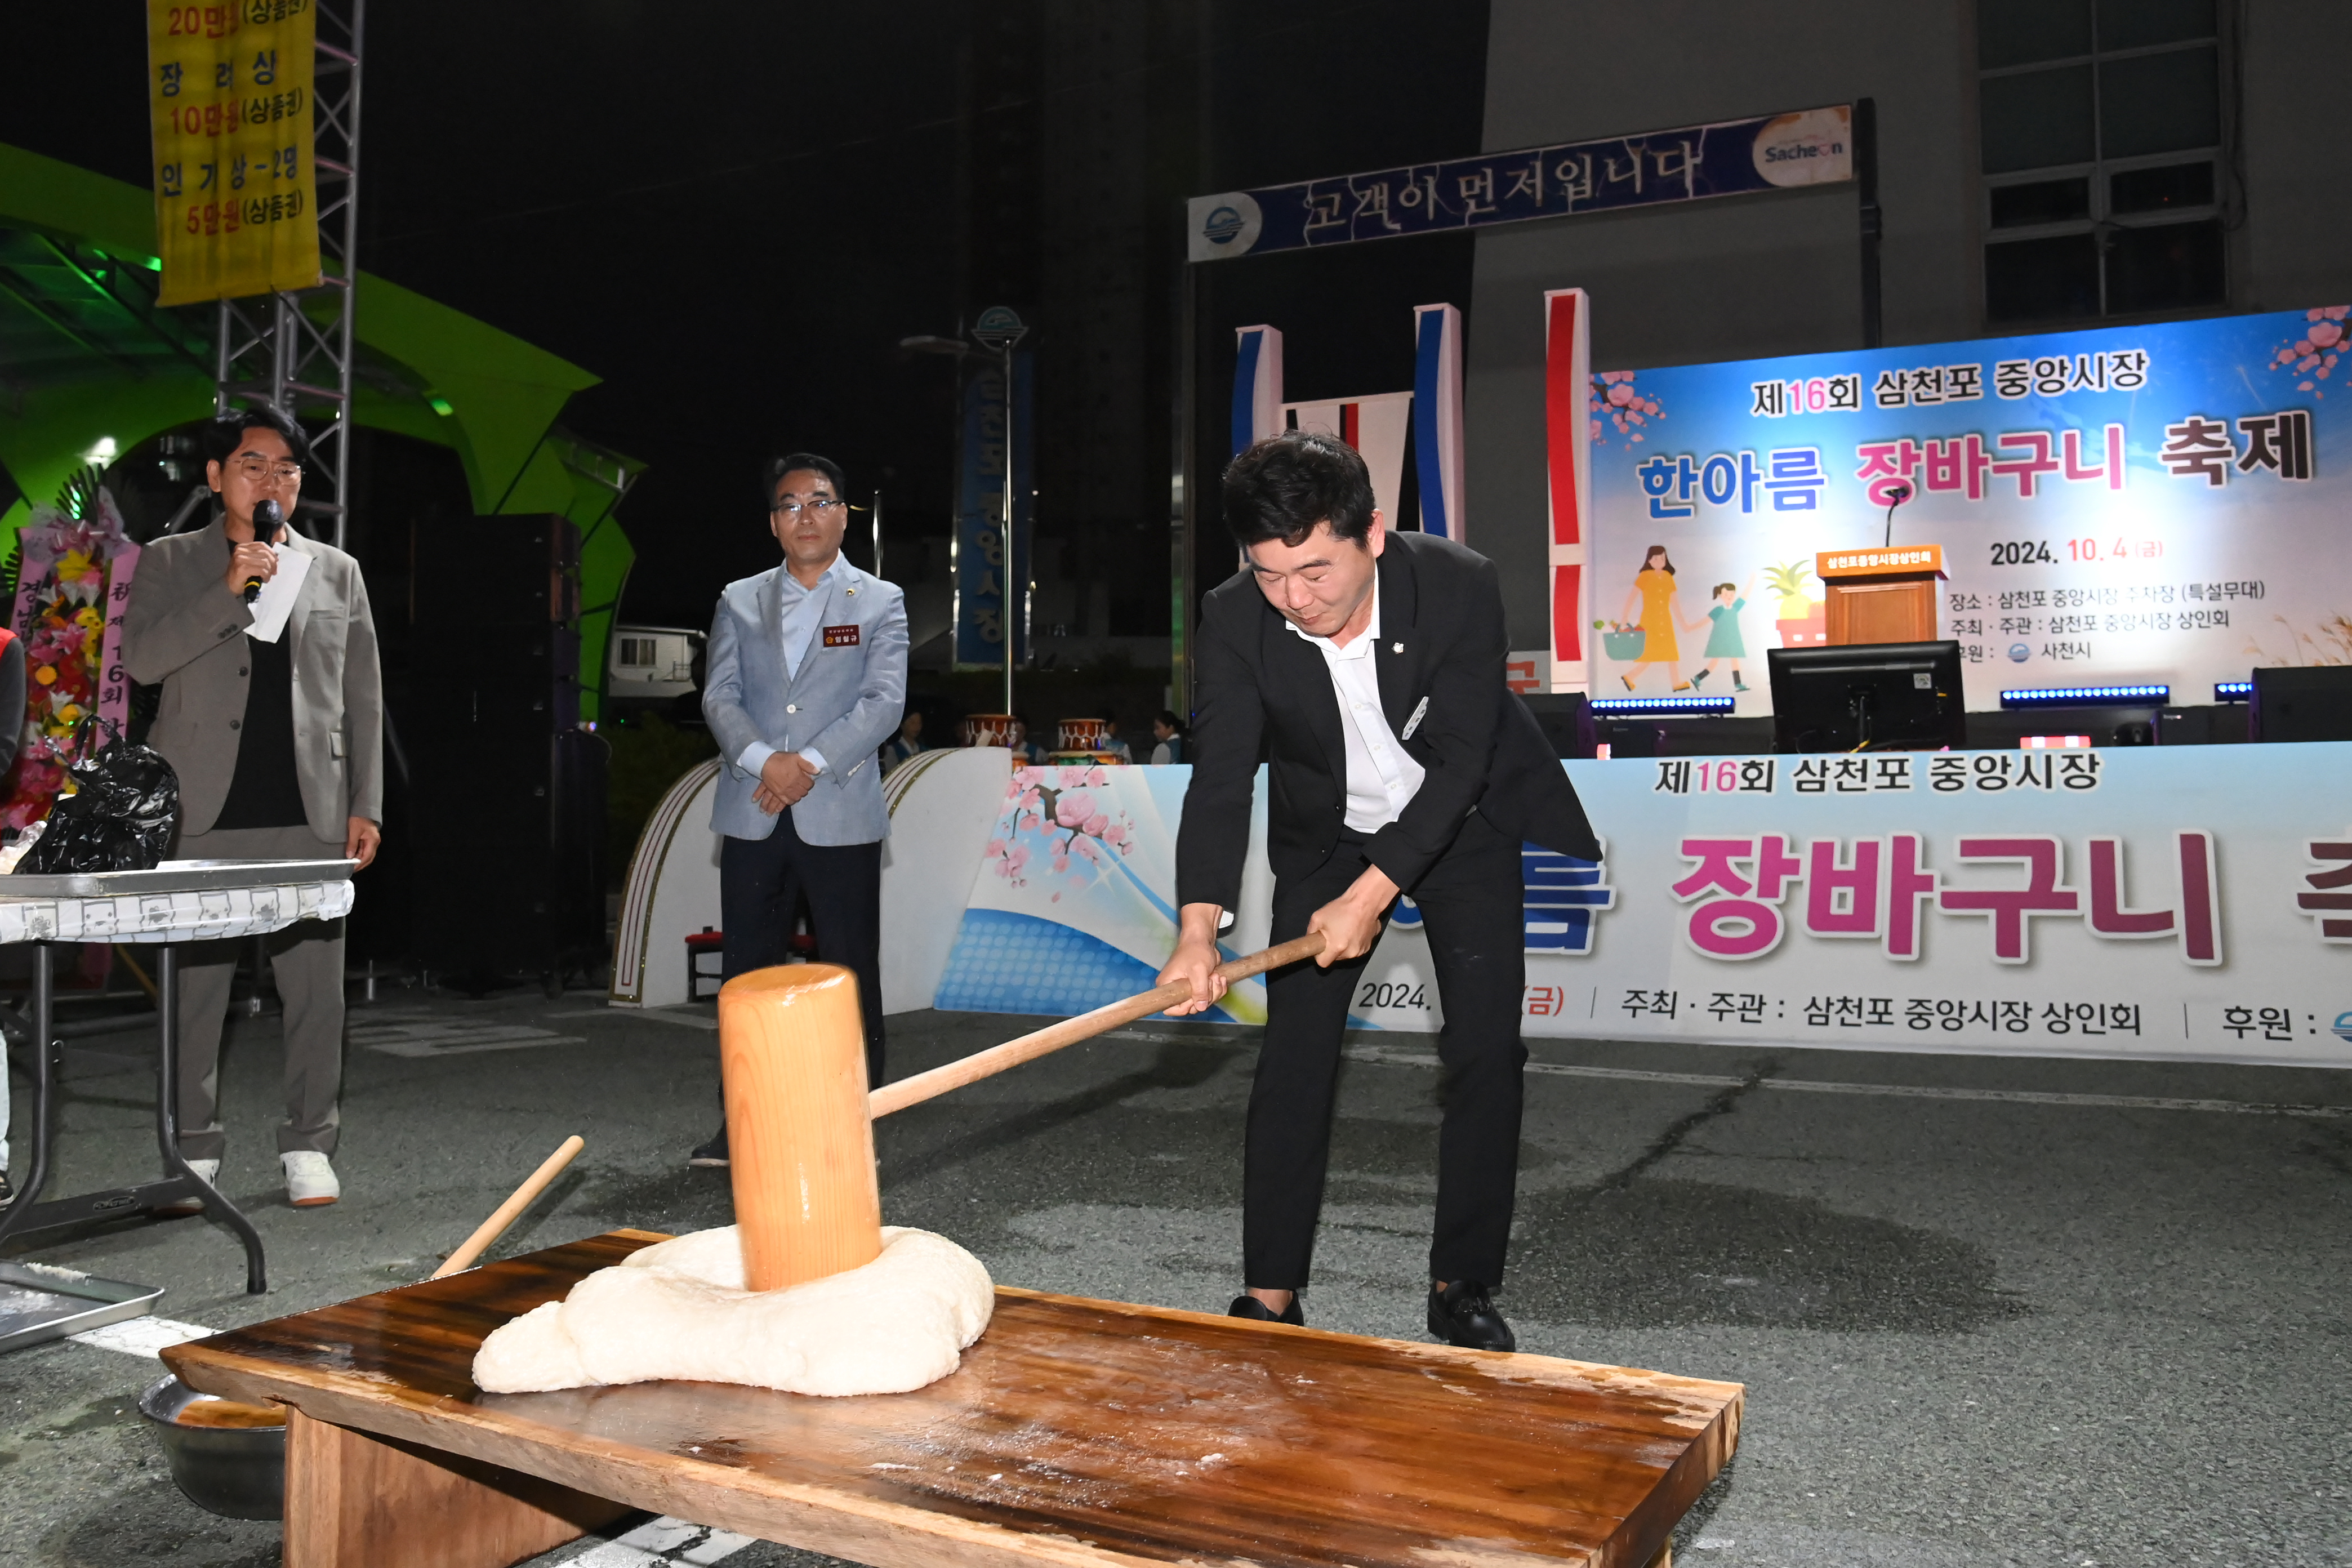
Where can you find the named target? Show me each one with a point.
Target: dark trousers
(760, 884)
(1470, 904)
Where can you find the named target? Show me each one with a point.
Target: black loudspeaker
(1566, 719)
(508, 790)
(2221, 724)
(2312, 702)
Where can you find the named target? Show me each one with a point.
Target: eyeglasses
(820, 506)
(260, 469)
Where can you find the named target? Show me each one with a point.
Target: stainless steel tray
(39, 1304)
(177, 876)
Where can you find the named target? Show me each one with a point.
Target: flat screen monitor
(1885, 697)
(2309, 703)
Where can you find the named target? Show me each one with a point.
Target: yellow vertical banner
(237, 193)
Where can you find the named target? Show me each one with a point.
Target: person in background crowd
(808, 666)
(1168, 733)
(279, 750)
(906, 744)
(1111, 742)
(1026, 753)
(11, 728)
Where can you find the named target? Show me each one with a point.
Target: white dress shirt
(1380, 777)
(800, 610)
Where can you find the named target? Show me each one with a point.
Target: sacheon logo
(1223, 225)
(2342, 1027)
(1809, 148)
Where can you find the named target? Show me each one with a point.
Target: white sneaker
(310, 1179)
(210, 1171)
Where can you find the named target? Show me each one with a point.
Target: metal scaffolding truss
(296, 348)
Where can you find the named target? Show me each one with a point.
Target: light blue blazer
(848, 699)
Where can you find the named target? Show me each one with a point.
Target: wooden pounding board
(1077, 1432)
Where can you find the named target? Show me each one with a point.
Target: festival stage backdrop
(2192, 903)
(2127, 504)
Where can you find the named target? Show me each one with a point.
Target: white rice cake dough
(678, 1309)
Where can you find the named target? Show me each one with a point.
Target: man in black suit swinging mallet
(1365, 669)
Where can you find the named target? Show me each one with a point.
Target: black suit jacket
(1263, 694)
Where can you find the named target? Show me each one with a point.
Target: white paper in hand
(276, 600)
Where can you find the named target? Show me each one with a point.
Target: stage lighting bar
(2085, 696)
(2233, 690)
(1656, 707)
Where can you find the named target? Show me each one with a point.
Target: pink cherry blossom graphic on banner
(2313, 356)
(1617, 403)
(1059, 815)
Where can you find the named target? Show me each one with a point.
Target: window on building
(637, 653)
(2101, 122)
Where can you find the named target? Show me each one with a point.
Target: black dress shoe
(1250, 1307)
(712, 1153)
(1461, 1314)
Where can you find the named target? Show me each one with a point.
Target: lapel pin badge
(1396, 648)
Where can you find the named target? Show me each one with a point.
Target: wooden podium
(1881, 595)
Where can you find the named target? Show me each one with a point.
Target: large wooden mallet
(800, 1118)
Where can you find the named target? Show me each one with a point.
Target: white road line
(142, 1336)
(690, 1020)
(660, 1540)
(651, 1015)
(451, 1037)
(1389, 1056)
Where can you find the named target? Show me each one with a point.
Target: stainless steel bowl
(235, 1472)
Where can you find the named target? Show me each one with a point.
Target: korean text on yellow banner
(235, 190)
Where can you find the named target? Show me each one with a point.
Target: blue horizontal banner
(1773, 151)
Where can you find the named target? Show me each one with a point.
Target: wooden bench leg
(355, 1500)
(1664, 1559)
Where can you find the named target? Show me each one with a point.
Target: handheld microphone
(268, 518)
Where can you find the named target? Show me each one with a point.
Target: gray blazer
(848, 699)
(184, 630)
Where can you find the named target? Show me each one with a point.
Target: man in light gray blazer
(279, 750)
(807, 679)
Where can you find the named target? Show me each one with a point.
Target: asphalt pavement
(1987, 1310)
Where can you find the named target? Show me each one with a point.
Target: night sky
(734, 224)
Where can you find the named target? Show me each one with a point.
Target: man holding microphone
(279, 749)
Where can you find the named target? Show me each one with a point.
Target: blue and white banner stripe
(1437, 418)
(1257, 386)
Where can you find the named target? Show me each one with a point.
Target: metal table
(180, 901)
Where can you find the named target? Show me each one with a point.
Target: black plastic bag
(121, 817)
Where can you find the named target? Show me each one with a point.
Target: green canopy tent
(86, 355)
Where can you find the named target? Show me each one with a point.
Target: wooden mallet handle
(923, 1086)
(510, 1211)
